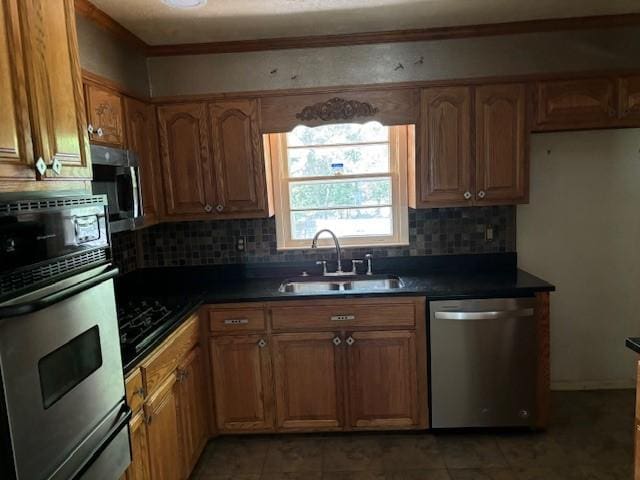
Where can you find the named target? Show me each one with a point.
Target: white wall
(581, 231)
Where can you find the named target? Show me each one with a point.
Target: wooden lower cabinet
(308, 380)
(163, 432)
(243, 385)
(383, 383)
(139, 468)
(192, 416)
(636, 470)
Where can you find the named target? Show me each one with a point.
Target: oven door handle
(115, 430)
(47, 301)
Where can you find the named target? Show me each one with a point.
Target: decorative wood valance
(337, 109)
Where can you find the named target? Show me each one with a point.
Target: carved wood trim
(336, 108)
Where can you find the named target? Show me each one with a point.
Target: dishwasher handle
(493, 315)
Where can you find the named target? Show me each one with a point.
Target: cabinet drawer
(229, 320)
(135, 391)
(339, 314)
(165, 359)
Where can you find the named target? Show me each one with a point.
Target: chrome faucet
(314, 244)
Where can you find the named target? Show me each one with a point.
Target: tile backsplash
(431, 232)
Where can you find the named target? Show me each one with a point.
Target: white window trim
(399, 152)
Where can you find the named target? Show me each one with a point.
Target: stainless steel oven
(63, 412)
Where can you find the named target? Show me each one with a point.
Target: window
(349, 178)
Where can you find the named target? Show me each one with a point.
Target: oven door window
(63, 369)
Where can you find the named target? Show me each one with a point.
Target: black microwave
(116, 175)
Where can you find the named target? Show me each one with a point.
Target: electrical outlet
(241, 243)
(488, 233)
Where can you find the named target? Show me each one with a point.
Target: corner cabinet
(213, 160)
(502, 173)
(54, 88)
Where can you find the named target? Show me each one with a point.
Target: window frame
(399, 158)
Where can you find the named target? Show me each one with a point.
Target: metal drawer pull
(342, 318)
(350, 341)
(236, 321)
(262, 343)
(336, 341)
(140, 392)
(526, 312)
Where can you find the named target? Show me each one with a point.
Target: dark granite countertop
(437, 278)
(633, 343)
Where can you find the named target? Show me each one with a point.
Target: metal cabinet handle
(336, 341)
(612, 112)
(467, 195)
(90, 129)
(208, 208)
(100, 132)
(219, 208)
(236, 321)
(41, 166)
(342, 318)
(262, 343)
(481, 194)
(525, 312)
(350, 341)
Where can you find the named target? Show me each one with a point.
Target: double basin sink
(341, 283)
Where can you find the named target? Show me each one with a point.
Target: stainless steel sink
(341, 283)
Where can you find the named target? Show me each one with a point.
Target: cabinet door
(191, 407)
(238, 157)
(629, 99)
(16, 152)
(55, 86)
(383, 383)
(139, 468)
(162, 433)
(445, 147)
(308, 377)
(186, 161)
(142, 138)
(575, 104)
(242, 380)
(501, 144)
(105, 116)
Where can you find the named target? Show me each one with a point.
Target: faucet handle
(354, 264)
(324, 266)
(369, 257)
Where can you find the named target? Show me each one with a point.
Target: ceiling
(225, 20)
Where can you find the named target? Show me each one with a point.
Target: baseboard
(593, 385)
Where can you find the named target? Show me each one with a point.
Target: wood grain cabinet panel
(165, 453)
(191, 408)
(308, 380)
(105, 116)
(383, 383)
(629, 99)
(501, 144)
(444, 166)
(139, 468)
(134, 390)
(575, 104)
(243, 383)
(55, 86)
(16, 151)
(238, 157)
(186, 160)
(142, 138)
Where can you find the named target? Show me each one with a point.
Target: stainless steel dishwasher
(483, 363)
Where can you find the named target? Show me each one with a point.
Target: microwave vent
(49, 203)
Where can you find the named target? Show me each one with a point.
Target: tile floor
(590, 438)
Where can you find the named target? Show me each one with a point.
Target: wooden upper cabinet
(308, 380)
(192, 415)
(444, 165)
(629, 99)
(55, 86)
(242, 382)
(575, 104)
(142, 138)
(186, 162)
(139, 468)
(16, 152)
(163, 436)
(105, 116)
(501, 144)
(383, 382)
(238, 157)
